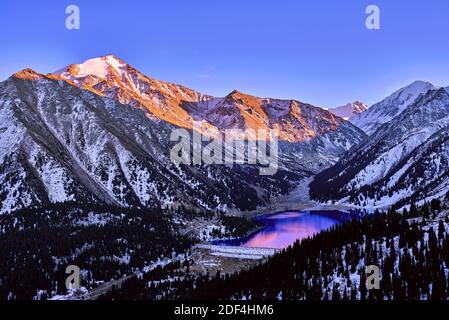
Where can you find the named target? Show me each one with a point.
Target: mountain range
(111, 77)
(99, 132)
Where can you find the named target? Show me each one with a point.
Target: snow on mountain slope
(424, 174)
(382, 112)
(99, 132)
(388, 166)
(66, 144)
(178, 105)
(321, 152)
(349, 110)
(113, 78)
(99, 67)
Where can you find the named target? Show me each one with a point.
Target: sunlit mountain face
(111, 77)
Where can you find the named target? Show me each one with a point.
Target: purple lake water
(283, 229)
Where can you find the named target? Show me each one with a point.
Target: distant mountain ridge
(349, 110)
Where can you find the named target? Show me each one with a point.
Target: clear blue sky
(314, 51)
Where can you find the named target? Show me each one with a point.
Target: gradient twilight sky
(315, 51)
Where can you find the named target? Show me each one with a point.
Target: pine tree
(362, 284)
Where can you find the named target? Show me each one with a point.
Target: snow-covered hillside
(403, 159)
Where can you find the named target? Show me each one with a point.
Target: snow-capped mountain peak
(99, 67)
(391, 106)
(349, 110)
(409, 93)
(111, 77)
